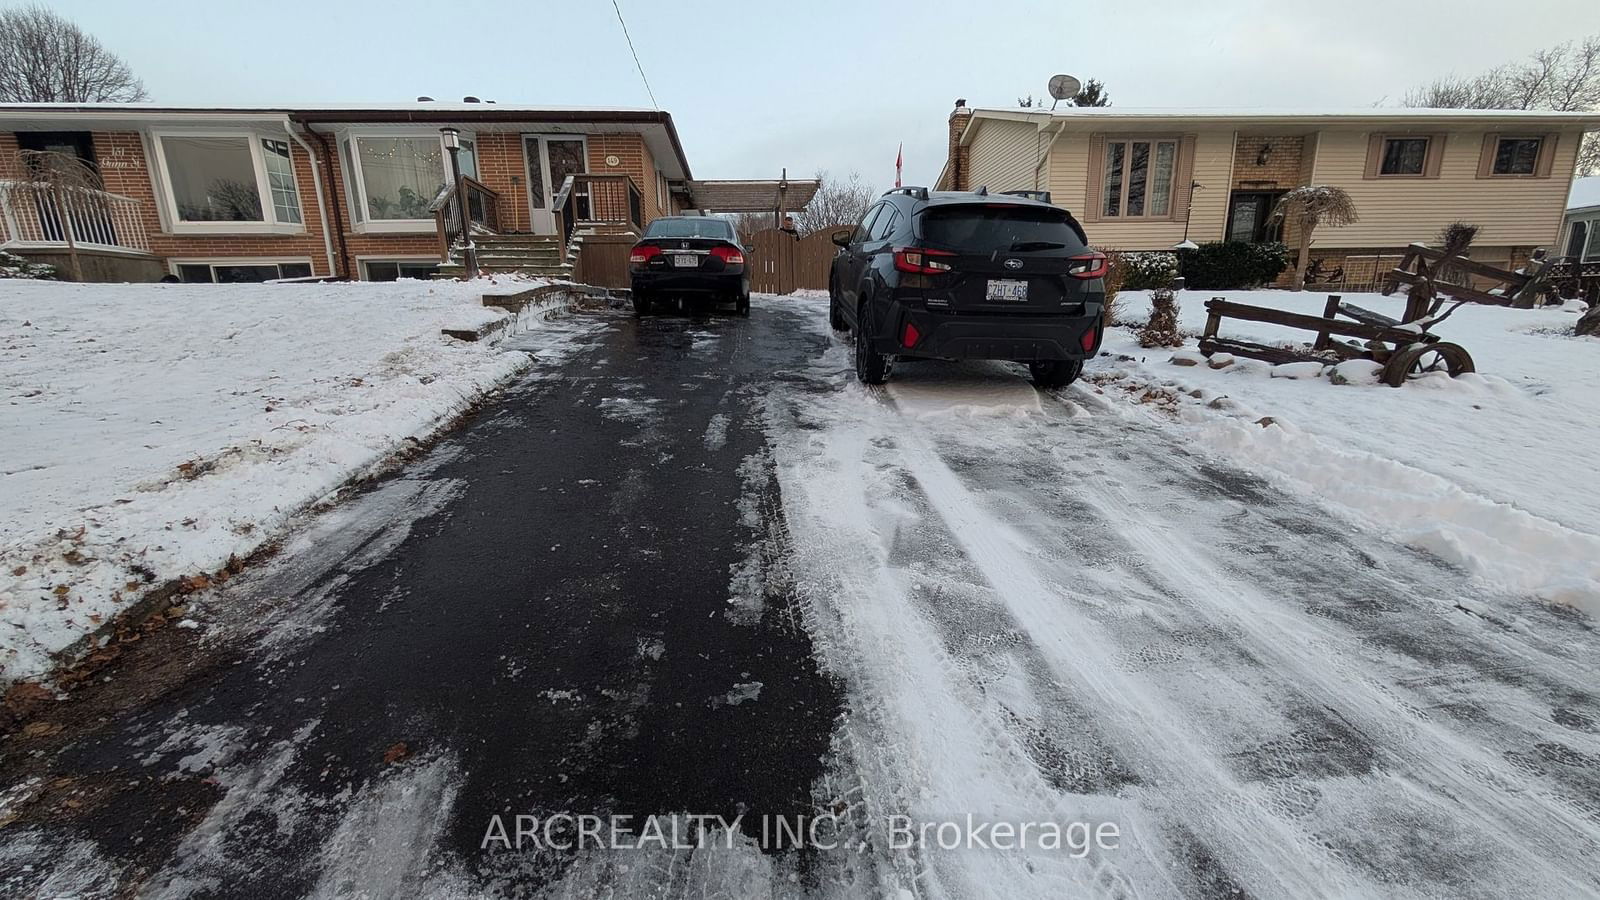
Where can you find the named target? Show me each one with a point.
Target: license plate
(685, 261)
(1007, 289)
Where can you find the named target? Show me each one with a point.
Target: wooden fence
(781, 263)
(603, 261)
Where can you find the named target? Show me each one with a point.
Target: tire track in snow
(1288, 711)
(1450, 771)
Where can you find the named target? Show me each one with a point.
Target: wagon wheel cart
(1407, 350)
(1417, 360)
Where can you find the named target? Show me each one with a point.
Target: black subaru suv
(968, 275)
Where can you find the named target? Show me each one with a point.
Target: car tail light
(910, 336)
(729, 255)
(643, 254)
(920, 261)
(1089, 265)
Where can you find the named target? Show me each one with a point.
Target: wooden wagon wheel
(1416, 360)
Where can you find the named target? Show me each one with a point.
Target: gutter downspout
(338, 211)
(316, 182)
(1042, 158)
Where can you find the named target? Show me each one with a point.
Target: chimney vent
(470, 100)
(424, 99)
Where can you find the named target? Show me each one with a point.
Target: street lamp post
(452, 143)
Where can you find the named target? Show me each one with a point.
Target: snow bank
(1490, 471)
(154, 431)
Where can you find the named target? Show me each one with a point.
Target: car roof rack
(921, 193)
(1041, 196)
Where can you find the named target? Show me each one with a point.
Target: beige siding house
(1147, 179)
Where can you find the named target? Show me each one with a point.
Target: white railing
(36, 214)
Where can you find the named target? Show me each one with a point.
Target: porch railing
(595, 199)
(42, 215)
(483, 212)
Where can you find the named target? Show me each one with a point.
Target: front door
(551, 158)
(1250, 216)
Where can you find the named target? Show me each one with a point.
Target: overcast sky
(812, 84)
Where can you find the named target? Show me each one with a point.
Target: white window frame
(213, 261)
(1154, 140)
(355, 186)
(1591, 237)
(429, 258)
(269, 223)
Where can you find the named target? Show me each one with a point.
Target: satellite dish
(1064, 87)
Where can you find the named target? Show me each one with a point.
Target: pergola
(779, 196)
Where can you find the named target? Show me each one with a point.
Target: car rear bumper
(668, 281)
(1024, 338)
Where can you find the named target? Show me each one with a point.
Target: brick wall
(125, 170)
(1282, 168)
(502, 167)
(957, 154)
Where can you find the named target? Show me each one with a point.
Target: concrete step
(518, 241)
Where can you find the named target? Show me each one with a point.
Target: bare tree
(45, 58)
(1307, 207)
(836, 203)
(1589, 156)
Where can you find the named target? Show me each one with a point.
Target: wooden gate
(781, 263)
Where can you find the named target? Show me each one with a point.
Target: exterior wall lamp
(452, 143)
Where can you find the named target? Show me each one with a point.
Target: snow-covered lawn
(153, 431)
(1493, 471)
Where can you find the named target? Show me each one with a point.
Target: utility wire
(635, 53)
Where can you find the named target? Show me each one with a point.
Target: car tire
(742, 305)
(641, 304)
(872, 367)
(836, 309)
(1055, 373)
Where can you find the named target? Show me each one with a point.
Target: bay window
(392, 179)
(228, 182)
(1138, 178)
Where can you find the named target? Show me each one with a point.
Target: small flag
(898, 159)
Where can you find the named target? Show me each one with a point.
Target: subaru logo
(1013, 264)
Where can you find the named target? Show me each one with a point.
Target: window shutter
(1491, 142)
(1430, 166)
(1374, 156)
(1183, 179)
(1097, 178)
(1547, 156)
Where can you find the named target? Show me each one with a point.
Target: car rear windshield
(690, 228)
(990, 229)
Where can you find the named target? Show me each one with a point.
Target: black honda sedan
(696, 257)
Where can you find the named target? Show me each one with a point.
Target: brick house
(360, 192)
(1147, 179)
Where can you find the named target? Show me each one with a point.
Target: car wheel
(872, 367)
(641, 304)
(835, 309)
(743, 304)
(1056, 373)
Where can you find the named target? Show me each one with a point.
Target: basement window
(394, 269)
(240, 273)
